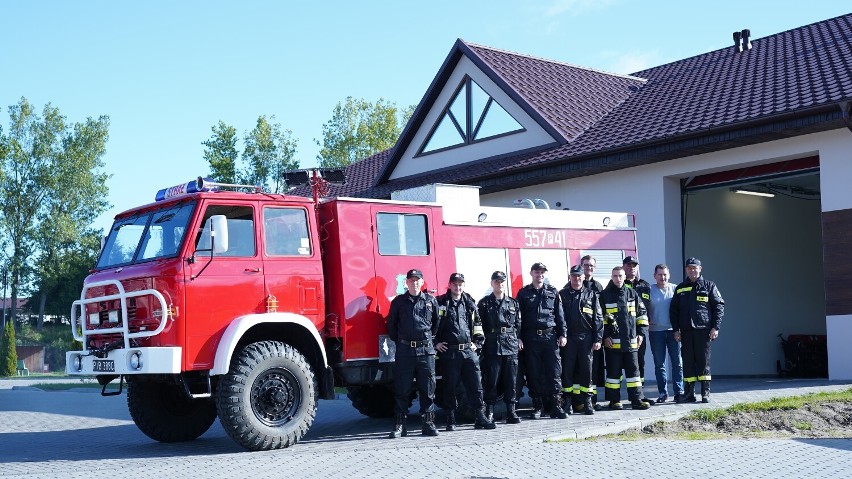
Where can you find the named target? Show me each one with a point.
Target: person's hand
(596, 346)
(608, 343)
(441, 347)
(473, 346)
(676, 335)
(639, 340)
(562, 341)
(520, 344)
(714, 333)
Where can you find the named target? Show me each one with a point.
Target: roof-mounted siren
(535, 203)
(196, 186)
(741, 40)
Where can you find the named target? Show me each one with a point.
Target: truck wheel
(163, 412)
(268, 398)
(375, 401)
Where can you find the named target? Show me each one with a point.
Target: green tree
(358, 129)
(220, 151)
(8, 355)
(48, 183)
(269, 151)
(76, 263)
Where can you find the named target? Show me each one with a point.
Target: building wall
(836, 174)
(652, 192)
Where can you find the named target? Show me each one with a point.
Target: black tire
(163, 412)
(376, 401)
(268, 399)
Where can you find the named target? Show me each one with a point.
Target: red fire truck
(251, 306)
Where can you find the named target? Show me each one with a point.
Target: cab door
(222, 287)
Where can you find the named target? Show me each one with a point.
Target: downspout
(845, 108)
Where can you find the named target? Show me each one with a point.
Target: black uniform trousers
(640, 355)
(543, 365)
(577, 366)
(695, 351)
(406, 369)
(598, 370)
(616, 360)
(499, 376)
(523, 378)
(457, 368)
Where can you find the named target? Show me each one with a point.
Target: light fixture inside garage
(753, 193)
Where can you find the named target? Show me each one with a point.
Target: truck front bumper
(124, 362)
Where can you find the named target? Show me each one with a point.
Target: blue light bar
(194, 186)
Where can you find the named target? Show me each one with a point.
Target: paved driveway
(78, 433)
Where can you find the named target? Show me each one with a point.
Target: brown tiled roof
(789, 83)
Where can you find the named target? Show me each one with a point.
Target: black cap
(693, 262)
(630, 260)
(539, 266)
(576, 270)
(498, 276)
(456, 277)
(414, 273)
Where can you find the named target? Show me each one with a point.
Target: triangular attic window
(471, 116)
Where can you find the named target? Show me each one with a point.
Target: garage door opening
(759, 237)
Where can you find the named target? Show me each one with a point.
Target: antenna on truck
(318, 178)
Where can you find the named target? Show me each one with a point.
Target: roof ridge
(548, 60)
(753, 40)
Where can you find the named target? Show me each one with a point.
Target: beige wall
(652, 192)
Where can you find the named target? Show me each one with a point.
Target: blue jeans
(660, 341)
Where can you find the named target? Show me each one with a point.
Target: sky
(166, 72)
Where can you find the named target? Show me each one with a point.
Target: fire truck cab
(250, 306)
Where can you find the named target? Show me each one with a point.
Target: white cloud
(575, 7)
(630, 62)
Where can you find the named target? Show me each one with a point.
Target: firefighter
(501, 322)
(589, 263)
(412, 323)
(696, 314)
(454, 340)
(542, 334)
(632, 280)
(584, 330)
(623, 333)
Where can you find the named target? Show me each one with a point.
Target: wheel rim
(275, 397)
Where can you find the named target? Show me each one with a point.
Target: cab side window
(241, 241)
(285, 232)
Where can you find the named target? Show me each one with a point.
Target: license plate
(103, 365)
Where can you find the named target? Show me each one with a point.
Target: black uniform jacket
(501, 321)
(625, 317)
(582, 312)
(697, 305)
(456, 320)
(541, 309)
(413, 319)
(592, 284)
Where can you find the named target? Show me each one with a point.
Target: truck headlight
(136, 360)
(77, 362)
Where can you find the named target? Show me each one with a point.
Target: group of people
(560, 344)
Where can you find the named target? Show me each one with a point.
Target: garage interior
(759, 237)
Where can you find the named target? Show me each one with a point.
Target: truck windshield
(147, 236)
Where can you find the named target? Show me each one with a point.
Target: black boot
(688, 393)
(399, 429)
(537, 407)
(512, 414)
(556, 411)
(589, 409)
(428, 428)
(489, 412)
(705, 391)
(451, 419)
(482, 422)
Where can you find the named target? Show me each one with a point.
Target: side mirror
(219, 233)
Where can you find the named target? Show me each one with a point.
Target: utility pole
(5, 272)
